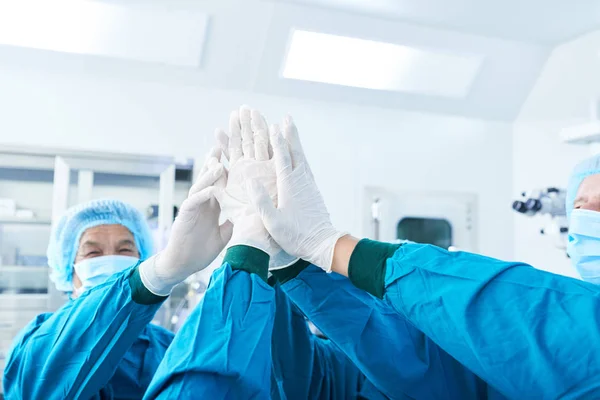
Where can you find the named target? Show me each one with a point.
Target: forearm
(223, 348)
(342, 253)
(407, 363)
(85, 340)
(492, 316)
(305, 365)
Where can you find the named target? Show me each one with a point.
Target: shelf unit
(56, 179)
(8, 220)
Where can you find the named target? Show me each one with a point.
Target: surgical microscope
(546, 202)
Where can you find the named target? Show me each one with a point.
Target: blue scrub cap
(65, 236)
(588, 167)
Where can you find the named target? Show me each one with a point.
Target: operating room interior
(450, 122)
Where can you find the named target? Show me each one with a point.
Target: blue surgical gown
(223, 350)
(528, 333)
(100, 346)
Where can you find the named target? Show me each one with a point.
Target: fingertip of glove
(245, 112)
(215, 152)
(256, 116)
(212, 161)
(221, 135)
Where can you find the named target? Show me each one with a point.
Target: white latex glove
(248, 151)
(248, 154)
(299, 223)
(196, 238)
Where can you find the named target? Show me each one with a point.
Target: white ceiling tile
(368, 64)
(149, 34)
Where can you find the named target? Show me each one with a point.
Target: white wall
(349, 146)
(559, 99)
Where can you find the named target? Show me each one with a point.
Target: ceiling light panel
(360, 63)
(149, 34)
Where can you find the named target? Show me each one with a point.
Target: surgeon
(583, 211)
(397, 360)
(101, 343)
(525, 332)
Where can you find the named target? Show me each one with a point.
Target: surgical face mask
(97, 270)
(584, 244)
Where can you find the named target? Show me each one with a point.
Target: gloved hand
(248, 152)
(299, 223)
(196, 237)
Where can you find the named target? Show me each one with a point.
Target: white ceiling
(246, 44)
(535, 21)
(109, 30)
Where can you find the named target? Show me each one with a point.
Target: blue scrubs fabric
(306, 366)
(529, 333)
(396, 358)
(223, 350)
(98, 346)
